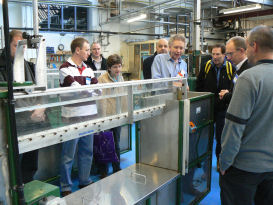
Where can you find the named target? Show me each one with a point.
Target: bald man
(246, 160)
(161, 47)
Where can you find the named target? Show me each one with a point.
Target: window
(69, 17)
(54, 16)
(55, 13)
(82, 18)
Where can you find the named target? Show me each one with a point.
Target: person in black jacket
(25, 121)
(214, 77)
(236, 53)
(96, 61)
(161, 47)
(15, 36)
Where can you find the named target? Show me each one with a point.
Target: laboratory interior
(146, 102)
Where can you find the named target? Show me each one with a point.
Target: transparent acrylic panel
(125, 138)
(34, 114)
(196, 184)
(53, 80)
(39, 111)
(198, 143)
(200, 111)
(149, 95)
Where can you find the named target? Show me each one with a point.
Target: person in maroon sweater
(76, 73)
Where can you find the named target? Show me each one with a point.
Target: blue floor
(214, 196)
(127, 159)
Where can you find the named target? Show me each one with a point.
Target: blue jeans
(85, 155)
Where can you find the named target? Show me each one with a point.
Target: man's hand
(38, 115)
(222, 93)
(222, 172)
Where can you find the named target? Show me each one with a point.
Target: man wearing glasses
(215, 76)
(236, 53)
(247, 156)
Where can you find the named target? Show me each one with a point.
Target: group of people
(78, 71)
(166, 61)
(243, 114)
(243, 108)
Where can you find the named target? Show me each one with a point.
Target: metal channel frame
(64, 90)
(182, 143)
(208, 154)
(58, 135)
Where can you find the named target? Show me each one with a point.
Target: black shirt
(147, 66)
(90, 62)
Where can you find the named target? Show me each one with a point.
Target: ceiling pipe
(167, 14)
(90, 31)
(141, 9)
(196, 23)
(35, 18)
(164, 22)
(136, 11)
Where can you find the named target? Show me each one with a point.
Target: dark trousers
(219, 125)
(29, 165)
(239, 187)
(103, 168)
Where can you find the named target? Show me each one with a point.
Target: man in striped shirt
(76, 73)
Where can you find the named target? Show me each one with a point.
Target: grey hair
(177, 37)
(95, 42)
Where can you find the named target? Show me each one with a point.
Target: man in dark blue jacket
(214, 77)
(161, 47)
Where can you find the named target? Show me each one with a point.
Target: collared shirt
(218, 70)
(164, 67)
(97, 63)
(239, 65)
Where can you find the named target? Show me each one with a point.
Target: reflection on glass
(55, 16)
(56, 105)
(195, 183)
(55, 116)
(150, 95)
(69, 17)
(43, 15)
(82, 18)
(198, 143)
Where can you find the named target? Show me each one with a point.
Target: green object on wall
(36, 190)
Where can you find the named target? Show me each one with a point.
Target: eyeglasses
(231, 53)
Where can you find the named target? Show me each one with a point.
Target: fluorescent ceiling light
(241, 9)
(137, 18)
